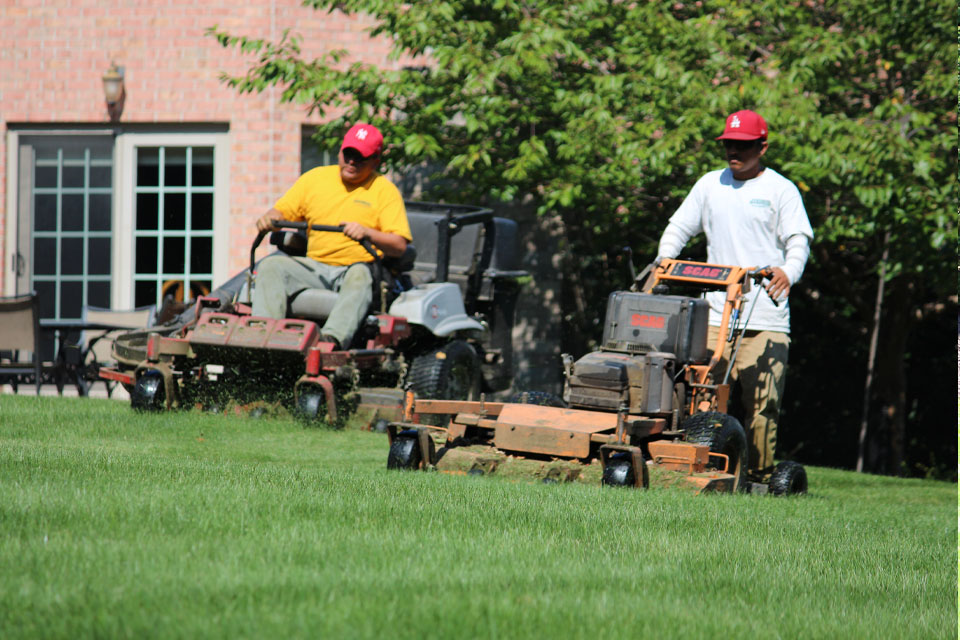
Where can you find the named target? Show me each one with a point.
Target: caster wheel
(619, 472)
(311, 406)
(149, 392)
(789, 478)
(405, 451)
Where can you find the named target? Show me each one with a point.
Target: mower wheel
(788, 478)
(618, 471)
(541, 398)
(149, 392)
(451, 372)
(405, 451)
(723, 434)
(311, 405)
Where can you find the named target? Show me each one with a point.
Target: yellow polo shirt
(320, 197)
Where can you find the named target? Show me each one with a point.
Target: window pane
(47, 293)
(72, 212)
(147, 217)
(45, 256)
(175, 167)
(71, 258)
(201, 255)
(45, 177)
(101, 177)
(201, 213)
(144, 293)
(99, 213)
(71, 299)
(73, 176)
(44, 149)
(99, 252)
(101, 150)
(174, 211)
(202, 167)
(173, 255)
(148, 166)
(73, 149)
(45, 212)
(146, 259)
(98, 294)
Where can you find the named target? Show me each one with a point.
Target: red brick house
(117, 212)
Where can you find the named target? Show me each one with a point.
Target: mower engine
(647, 339)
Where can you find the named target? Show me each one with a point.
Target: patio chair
(19, 334)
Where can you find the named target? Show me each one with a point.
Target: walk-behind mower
(441, 325)
(648, 408)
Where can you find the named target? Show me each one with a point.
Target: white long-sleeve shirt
(750, 223)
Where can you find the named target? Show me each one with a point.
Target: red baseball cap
(363, 137)
(744, 125)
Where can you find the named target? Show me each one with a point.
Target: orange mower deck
(554, 444)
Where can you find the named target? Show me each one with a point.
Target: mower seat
(316, 304)
(313, 304)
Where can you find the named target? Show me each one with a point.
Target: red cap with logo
(744, 125)
(363, 137)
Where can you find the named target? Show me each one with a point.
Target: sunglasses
(741, 145)
(353, 156)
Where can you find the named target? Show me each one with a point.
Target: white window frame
(13, 203)
(125, 199)
(11, 214)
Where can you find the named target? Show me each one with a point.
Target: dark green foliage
(602, 115)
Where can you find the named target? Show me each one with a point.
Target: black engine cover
(642, 322)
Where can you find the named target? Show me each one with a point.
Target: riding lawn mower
(441, 325)
(649, 408)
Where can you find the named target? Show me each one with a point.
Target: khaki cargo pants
(279, 277)
(760, 370)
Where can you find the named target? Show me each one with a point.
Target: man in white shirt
(753, 217)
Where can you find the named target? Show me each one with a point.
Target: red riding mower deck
(445, 334)
(645, 410)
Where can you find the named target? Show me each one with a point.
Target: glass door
(173, 234)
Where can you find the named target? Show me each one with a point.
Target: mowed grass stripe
(116, 524)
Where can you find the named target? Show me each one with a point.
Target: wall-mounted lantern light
(113, 91)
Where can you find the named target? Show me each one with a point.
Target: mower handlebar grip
(287, 224)
(759, 275)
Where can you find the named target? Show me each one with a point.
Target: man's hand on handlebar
(356, 231)
(265, 222)
(779, 285)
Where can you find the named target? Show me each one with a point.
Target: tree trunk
(887, 400)
(872, 356)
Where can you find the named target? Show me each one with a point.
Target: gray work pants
(279, 277)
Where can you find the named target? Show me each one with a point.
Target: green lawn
(115, 524)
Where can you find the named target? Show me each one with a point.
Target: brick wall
(55, 51)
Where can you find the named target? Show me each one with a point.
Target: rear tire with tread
(723, 434)
(451, 372)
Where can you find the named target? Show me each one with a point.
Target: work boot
(760, 475)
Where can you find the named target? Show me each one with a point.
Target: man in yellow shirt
(353, 194)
